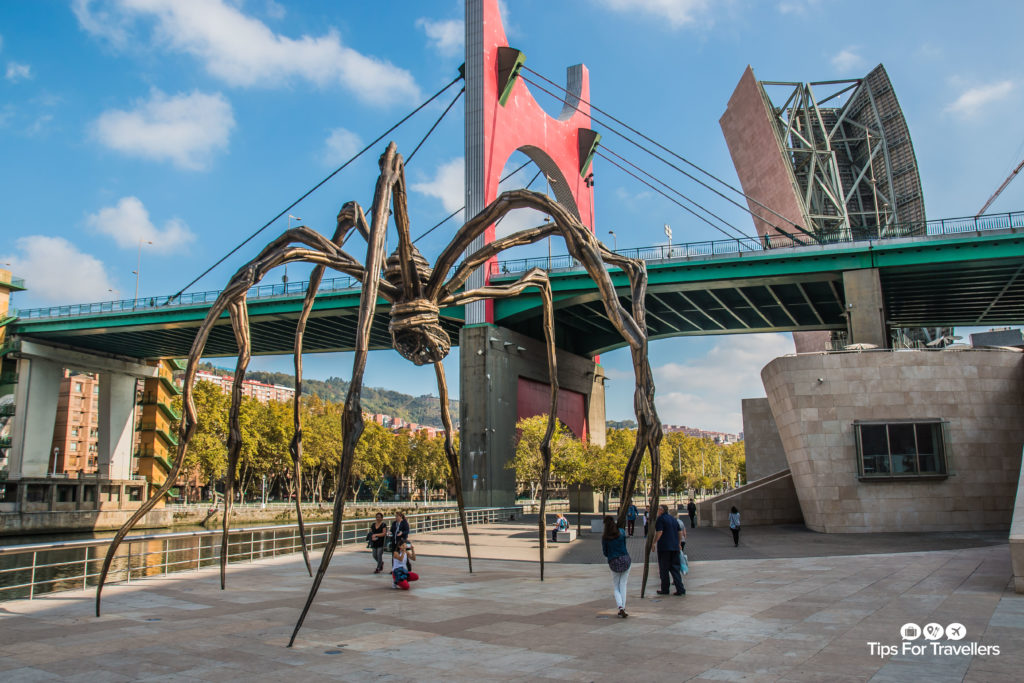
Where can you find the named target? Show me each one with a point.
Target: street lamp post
(138, 271)
(615, 240)
(668, 234)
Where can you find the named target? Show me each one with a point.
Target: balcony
(168, 410)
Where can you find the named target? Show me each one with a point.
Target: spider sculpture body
(416, 293)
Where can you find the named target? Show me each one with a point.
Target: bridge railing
(945, 226)
(30, 570)
(268, 291)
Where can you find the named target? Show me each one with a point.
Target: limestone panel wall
(765, 454)
(816, 398)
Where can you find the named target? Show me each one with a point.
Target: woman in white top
(400, 576)
(734, 525)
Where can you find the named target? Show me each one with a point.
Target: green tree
(527, 462)
(374, 458)
(206, 455)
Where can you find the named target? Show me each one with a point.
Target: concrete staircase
(768, 500)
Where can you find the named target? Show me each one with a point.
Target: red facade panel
(534, 398)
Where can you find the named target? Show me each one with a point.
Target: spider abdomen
(417, 333)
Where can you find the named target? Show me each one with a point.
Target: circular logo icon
(933, 631)
(955, 631)
(910, 631)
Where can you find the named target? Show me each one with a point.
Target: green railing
(946, 226)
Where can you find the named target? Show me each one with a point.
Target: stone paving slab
(765, 619)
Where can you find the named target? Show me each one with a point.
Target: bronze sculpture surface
(416, 293)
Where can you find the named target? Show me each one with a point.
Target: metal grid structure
(848, 147)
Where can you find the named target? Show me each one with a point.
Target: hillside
(424, 410)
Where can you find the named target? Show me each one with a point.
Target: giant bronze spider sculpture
(416, 293)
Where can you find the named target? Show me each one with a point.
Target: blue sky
(190, 123)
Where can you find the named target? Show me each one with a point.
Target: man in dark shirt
(669, 539)
(691, 509)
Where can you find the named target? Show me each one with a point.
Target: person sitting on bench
(561, 524)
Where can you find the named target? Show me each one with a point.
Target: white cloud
(446, 36)
(448, 185)
(129, 224)
(183, 129)
(275, 10)
(340, 145)
(54, 270)
(110, 24)
(18, 72)
(847, 60)
(678, 13)
(705, 391)
(795, 6)
(971, 102)
(243, 51)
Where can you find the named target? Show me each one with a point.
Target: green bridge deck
(970, 278)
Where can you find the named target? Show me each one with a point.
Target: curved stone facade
(816, 398)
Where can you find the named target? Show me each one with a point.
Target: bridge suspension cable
(454, 213)
(672, 199)
(673, 190)
(568, 98)
(321, 183)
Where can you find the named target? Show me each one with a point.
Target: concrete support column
(493, 359)
(116, 425)
(865, 307)
(36, 397)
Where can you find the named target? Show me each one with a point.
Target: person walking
(631, 514)
(691, 509)
(734, 525)
(400, 575)
(643, 521)
(378, 534)
(613, 545)
(668, 537)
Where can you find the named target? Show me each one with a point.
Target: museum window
(901, 449)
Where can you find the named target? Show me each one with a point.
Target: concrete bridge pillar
(116, 425)
(865, 307)
(36, 398)
(40, 371)
(504, 377)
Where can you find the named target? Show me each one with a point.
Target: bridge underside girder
(765, 305)
(942, 281)
(271, 334)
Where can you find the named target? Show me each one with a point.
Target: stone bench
(565, 536)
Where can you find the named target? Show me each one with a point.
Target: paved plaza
(788, 605)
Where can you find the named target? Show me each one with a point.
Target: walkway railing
(30, 570)
(945, 226)
(337, 284)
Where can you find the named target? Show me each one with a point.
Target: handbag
(684, 566)
(620, 564)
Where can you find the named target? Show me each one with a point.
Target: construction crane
(1002, 187)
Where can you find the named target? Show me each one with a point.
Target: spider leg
(352, 414)
(186, 430)
(351, 215)
(592, 255)
(240, 325)
(316, 249)
(539, 279)
(454, 476)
